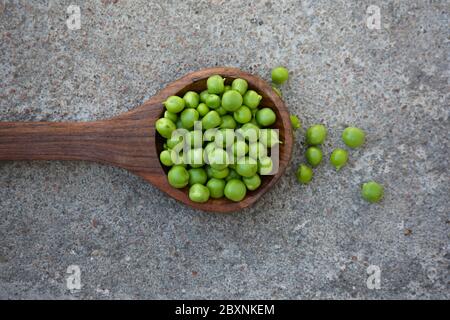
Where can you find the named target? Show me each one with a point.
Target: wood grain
(130, 141)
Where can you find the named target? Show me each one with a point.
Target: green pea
(304, 174)
(339, 158)
(218, 159)
(194, 139)
(203, 95)
(192, 99)
(249, 132)
(235, 190)
(194, 158)
(240, 85)
(171, 116)
(353, 137)
(372, 191)
(269, 137)
(232, 175)
(265, 166)
(280, 75)
(227, 88)
(199, 193)
(240, 148)
(188, 117)
(211, 120)
(174, 104)
(228, 122)
(295, 122)
(277, 91)
(246, 166)
(231, 100)
(219, 174)
(316, 134)
(266, 117)
(172, 142)
(166, 158)
(216, 188)
(197, 175)
(202, 109)
(224, 138)
(242, 115)
(257, 150)
(213, 101)
(178, 177)
(165, 127)
(253, 182)
(252, 99)
(221, 111)
(179, 123)
(313, 156)
(215, 84)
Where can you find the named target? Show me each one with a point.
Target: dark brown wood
(130, 141)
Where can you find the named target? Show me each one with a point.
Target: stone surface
(315, 241)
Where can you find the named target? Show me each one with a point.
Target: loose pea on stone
(372, 191)
(339, 158)
(280, 75)
(304, 174)
(314, 156)
(295, 121)
(316, 134)
(353, 137)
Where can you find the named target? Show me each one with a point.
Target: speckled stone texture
(298, 242)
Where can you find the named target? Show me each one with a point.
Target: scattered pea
(316, 134)
(372, 191)
(314, 156)
(295, 121)
(280, 75)
(339, 158)
(353, 137)
(304, 174)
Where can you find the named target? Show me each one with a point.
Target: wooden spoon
(130, 141)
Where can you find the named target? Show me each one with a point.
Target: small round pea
(252, 99)
(372, 191)
(215, 84)
(179, 124)
(240, 85)
(249, 132)
(218, 159)
(219, 174)
(353, 137)
(226, 88)
(216, 188)
(314, 156)
(232, 175)
(257, 150)
(231, 100)
(165, 127)
(203, 96)
(253, 182)
(199, 193)
(269, 137)
(202, 109)
(228, 122)
(235, 190)
(188, 117)
(174, 104)
(277, 91)
(240, 148)
(166, 158)
(221, 111)
(171, 116)
(339, 158)
(243, 114)
(178, 177)
(304, 174)
(192, 99)
(295, 121)
(247, 167)
(316, 134)
(266, 117)
(211, 120)
(213, 101)
(194, 158)
(197, 175)
(265, 166)
(280, 75)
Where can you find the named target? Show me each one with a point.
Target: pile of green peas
(353, 138)
(233, 107)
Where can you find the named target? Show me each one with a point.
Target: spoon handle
(123, 142)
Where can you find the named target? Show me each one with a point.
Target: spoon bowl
(130, 140)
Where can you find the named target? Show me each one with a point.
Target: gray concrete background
(315, 241)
